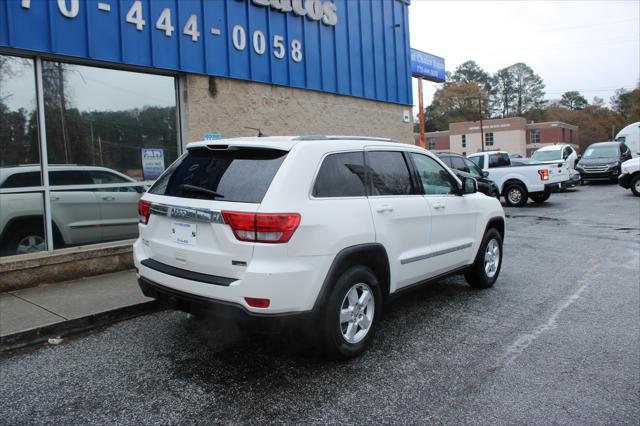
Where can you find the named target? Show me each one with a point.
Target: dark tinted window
(70, 177)
(341, 175)
(446, 160)
(19, 180)
(241, 175)
(458, 163)
(389, 173)
(498, 160)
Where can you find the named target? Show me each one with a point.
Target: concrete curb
(65, 328)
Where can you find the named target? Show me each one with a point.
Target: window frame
(416, 187)
(416, 174)
(486, 139)
(319, 166)
(46, 188)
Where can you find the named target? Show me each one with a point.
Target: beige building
(513, 135)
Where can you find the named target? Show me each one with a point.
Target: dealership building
(514, 135)
(98, 97)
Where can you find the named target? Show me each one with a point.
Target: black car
(463, 167)
(602, 160)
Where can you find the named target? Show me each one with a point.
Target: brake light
(144, 211)
(262, 227)
(544, 174)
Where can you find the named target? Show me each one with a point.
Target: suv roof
(608, 143)
(5, 172)
(553, 147)
(286, 143)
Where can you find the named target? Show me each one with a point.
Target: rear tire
(635, 185)
(540, 197)
(486, 268)
(351, 313)
(515, 195)
(29, 239)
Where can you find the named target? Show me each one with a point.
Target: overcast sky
(589, 46)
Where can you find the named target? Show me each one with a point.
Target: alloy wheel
(356, 313)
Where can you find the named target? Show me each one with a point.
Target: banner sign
(152, 163)
(427, 66)
(357, 48)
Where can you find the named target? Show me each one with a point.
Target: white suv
(315, 229)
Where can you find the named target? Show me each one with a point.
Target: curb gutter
(34, 336)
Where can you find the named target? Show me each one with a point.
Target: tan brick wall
(285, 111)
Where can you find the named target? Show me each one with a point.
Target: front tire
(486, 268)
(515, 195)
(351, 314)
(540, 197)
(635, 185)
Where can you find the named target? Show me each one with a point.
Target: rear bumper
(625, 181)
(555, 187)
(223, 311)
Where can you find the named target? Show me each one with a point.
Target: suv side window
(70, 177)
(473, 167)
(446, 160)
(479, 160)
(498, 160)
(341, 175)
(389, 173)
(20, 180)
(435, 179)
(458, 164)
(101, 178)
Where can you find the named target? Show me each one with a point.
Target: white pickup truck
(518, 183)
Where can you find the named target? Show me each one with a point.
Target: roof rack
(333, 138)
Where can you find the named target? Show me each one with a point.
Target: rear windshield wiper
(193, 188)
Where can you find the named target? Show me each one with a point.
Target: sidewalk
(36, 314)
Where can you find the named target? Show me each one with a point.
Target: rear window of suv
(240, 175)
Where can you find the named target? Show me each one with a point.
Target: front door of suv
(401, 215)
(453, 219)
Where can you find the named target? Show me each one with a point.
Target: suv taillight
(144, 211)
(262, 227)
(544, 174)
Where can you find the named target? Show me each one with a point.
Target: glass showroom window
(22, 227)
(108, 134)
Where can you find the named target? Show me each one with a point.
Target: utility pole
(481, 127)
(421, 113)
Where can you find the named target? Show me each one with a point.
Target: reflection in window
(103, 117)
(389, 173)
(18, 118)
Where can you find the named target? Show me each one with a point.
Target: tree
(455, 102)
(599, 102)
(573, 100)
(516, 90)
(627, 104)
(471, 72)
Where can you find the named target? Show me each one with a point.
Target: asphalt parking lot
(555, 341)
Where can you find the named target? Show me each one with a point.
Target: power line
(533, 49)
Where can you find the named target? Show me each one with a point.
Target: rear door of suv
(401, 215)
(189, 209)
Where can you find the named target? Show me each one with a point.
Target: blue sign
(152, 163)
(212, 136)
(358, 48)
(427, 66)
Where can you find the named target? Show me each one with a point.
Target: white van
(630, 135)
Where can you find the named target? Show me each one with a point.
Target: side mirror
(469, 185)
(485, 173)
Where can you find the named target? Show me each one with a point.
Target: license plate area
(183, 233)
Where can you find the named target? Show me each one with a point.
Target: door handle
(54, 198)
(384, 208)
(439, 206)
(108, 198)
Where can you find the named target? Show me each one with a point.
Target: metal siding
(165, 49)
(343, 67)
(279, 67)
(364, 55)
